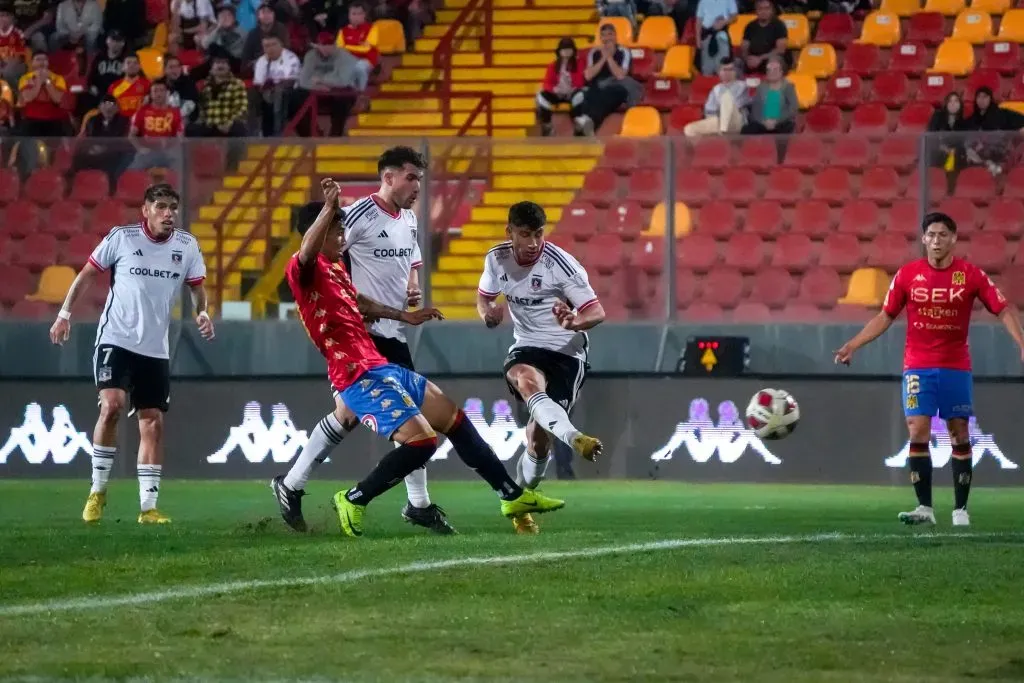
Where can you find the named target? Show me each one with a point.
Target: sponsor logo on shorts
(370, 422)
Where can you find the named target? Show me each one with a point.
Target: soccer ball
(773, 414)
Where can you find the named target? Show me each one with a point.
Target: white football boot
(961, 518)
(922, 514)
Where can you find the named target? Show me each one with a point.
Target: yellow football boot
(153, 516)
(350, 515)
(587, 446)
(524, 524)
(530, 501)
(94, 505)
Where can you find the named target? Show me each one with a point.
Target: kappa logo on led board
(62, 441)
(942, 447)
(502, 433)
(281, 441)
(702, 439)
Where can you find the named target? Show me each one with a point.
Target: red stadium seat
(10, 186)
(1014, 285)
(844, 89)
(718, 219)
(36, 251)
(752, 312)
(626, 219)
(870, 118)
(1014, 184)
(745, 252)
(662, 93)
(814, 219)
(837, 29)
(131, 186)
(786, 185)
(605, 254)
(903, 219)
(898, 151)
(806, 152)
(888, 250)
(832, 185)
(90, 187)
(988, 251)
(758, 152)
(842, 252)
(649, 255)
(681, 116)
(975, 183)
(740, 185)
(1005, 216)
(963, 212)
(647, 186)
(1017, 87)
(78, 250)
(580, 221)
(983, 78)
(764, 218)
(860, 218)
(687, 288)
(65, 219)
(914, 117)
(703, 311)
(206, 159)
(15, 284)
(773, 287)
(45, 187)
(926, 27)
(723, 287)
(695, 187)
(851, 153)
(936, 184)
(880, 184)
(891, 88)
(794, 252)
(712, 153)
(862, 59)
(910, 57)
(109, 213)
(825, 118)
(1001, 56)
(700, 88)
(820, 287)
(21, 218)
(600, 187)
(689, 36)
(697, 252)
(620, 154)
(934, 87)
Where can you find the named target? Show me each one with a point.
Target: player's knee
(919, 428)
(346, 418)
(958, 431)
(424, 446)
(111, 406)
(528, 383)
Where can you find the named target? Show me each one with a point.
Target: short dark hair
(397, 157)
(938, 217)
(132, 55)
(608, 27)
(361, 5)
(307, 215)
(161, 191)
(171, 58)
(160, 81)
(527, 215)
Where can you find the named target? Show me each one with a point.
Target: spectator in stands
(412, 14)
(182, 89)
(79, 24)
(990, 150)
(320, 15)
(609, 85)
(266, 25)
(6, 110)
(272, 99)
(131, 89)
(617, 8)
(226, 32)
(107, 68)
(35, 19)
(563, 83)
(192, 18)
(764, 38)
(13, 52)
(714, 17)
(328, 68)
(355, 39)
(774, 109)
(41, 93)
(222, 103)
(949, 118)
(153, 124)
(128, 17)
(725, 108)
(109, 157)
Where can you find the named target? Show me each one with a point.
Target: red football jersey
(157, 122)
(327, 309)
(12, 45)
(939, 304)
(129, 94)
(355, 39)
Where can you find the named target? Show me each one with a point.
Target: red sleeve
(550, 78)
(578, 79)
(110, 89)
(136, 121)
(989, 294)
(896, 297)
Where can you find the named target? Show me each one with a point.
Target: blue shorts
(948, 393)
(385, 398)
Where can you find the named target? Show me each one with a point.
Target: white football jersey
(381, 248)
(531, 290)
(145, 281)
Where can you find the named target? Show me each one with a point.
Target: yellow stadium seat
(641, 122)
(954, 57)
(152, 61)
(901, 8)
(818, 60)
(798, 30)
(623, 30)
(996, 7)
(806, 89)
(1012, 26)
(388, 36)
(973, 26)
(678, 63)
(738, 26)
(54, 284)
(659, 219)
(1014, 106)
(160, 38)
(950, 8)
(657, 33)
(867, 287)
(881, 28)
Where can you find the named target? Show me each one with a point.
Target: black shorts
(564, 374)
(146, 379)
(394, 350)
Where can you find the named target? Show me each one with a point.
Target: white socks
(149, 485)
(325, 436)
(416, 485)
(102, 462)
(534, 468)
(551, 417)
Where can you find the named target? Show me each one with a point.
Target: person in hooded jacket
(563, 82)
(990, 151)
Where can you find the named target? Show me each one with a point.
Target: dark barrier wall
(850, 432)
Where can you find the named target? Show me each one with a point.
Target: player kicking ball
(938, 293)
(150, 260)
(552, 305)
(393, 401)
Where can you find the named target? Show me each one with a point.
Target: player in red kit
(393, 401)
(938, 293)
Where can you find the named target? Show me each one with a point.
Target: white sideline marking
(200, 591)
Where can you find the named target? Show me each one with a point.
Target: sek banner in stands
(670, 428)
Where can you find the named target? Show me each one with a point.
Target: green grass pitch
(776, 583)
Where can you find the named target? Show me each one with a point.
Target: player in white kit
(148, 262)
(552, 304)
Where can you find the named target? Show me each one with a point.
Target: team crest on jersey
(959, 278)
(535, 283)
(176, 257)
(370, 422)
(412, 231)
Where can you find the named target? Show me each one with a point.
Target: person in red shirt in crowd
(355, 39)
(13, 51)
(563, 82)
(131, 89)
(938, 292)
(41, 93)
(155, 123)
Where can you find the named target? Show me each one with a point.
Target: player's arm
(313, 240)
(487, 292)
(583, 310)
(371, 309)
(996, 303)
(895, 300)
(413, 293)
(60, 331)
(1011, 321)
(195, 280)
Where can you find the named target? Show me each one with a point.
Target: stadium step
(461, 104)
(581, 14)
(438, 132)
(436, 120)
(544, 198)
(503, 45)
(495, 87)
(550, 5)
(533, 74)
(555, 29)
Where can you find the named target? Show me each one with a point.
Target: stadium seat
(152, 62)
(867, 287)
(1013, 285)
(641, 122)
(695, 187)
(954, 57)
(898, 151)
(36, 251)
(910, 58)
(642, 63)
(738, 26)
(746, 253)
(697, 252)
(649, 256)
(814, 219)
(794, 252)
(626, 219)
(740, 185)
(621, 155)
(798, 30)
(21, 218)
(131, 186)
(45, 187)
(687, 288)
(65, 219)
(936, 184)
(682, 221)
(711, 153)
(773, 287)
(1014, 184)
(880, 184)
(903, 219)
(914, 117)
(934, 88)
(1005, 216)
(963, 212)
(700, 88)
(662, 93)
(1001, 56)
(844, 90)
(881, 29)
(580, 221)
(605, 253)
(889, 250)
(718, 219)
(751, 312)
(1011, 27)
(723, 287)
(975, 182)
(994, 7)
(836, 29)
(16, 281)
(109, 212)
(841, 251)
(818, 60)
(825, 118)
(206, 160)
(988, 251)
(860, 218)
(623, 30)
(806, 89)
(820, 287)
(78, 249)
(901, 8)
(678, 63)
(681, 116)
(973, 27)
(806, 152)
(983, 78)
(599, 187)
(758, 152)
(10, 186)
(832, 185)
(388, 36)
(786, 185)
(1013, 106)
(764, 218)
(927, 28)
(54, 284)
(862, 59)
(949, 8)
(657, 33)
(891, 88)
(90, 187)
(870, 118)
(647, 186)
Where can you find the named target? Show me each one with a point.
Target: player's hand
(60, 331)
(421, 316)
(331, 191)
(844, 354)
(494, 316)
(413, 296)
(566, 316)
(205, 326)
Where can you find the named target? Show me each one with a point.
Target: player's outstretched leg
(419, 510)
(531, 470)
(531, 385)
(150, 466)
(920, 471)
(962, 467)
(104, 449)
